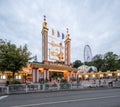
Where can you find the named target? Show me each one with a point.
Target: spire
(67, 35)
(44, 18)
(44, 24)
(67, 30)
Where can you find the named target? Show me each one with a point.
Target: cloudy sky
(92, 22)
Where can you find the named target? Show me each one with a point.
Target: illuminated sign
(56, 50)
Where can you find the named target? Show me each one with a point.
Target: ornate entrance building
(55, 57)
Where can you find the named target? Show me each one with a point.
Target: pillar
(67, 48)
(44, 40)
(35, 75)
(46, 74)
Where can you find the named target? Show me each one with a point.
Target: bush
(15, 82)
(41, 80)
(63, 80)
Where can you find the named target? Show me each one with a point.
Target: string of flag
(58, 34)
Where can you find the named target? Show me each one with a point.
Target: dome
(82, 69)
(92, 68)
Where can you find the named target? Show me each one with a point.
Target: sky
(90, 22)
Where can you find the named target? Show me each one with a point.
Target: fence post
(7, 89)
(26, 88)
(43, 87)
(58, 85)
(38, 86)
(71, 85)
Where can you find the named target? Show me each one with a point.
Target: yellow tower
(44, 40)
(67, 48)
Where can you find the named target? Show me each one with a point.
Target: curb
(48, 91)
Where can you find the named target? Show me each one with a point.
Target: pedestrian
(99, 82)
(94, 81)
(7, 83)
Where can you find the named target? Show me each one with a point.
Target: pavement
(86, 98)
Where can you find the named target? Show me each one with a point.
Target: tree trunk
(13, 76)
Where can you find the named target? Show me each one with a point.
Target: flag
(52, 31)
(58, 34)
(63, 35)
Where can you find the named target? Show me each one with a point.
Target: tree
(118, 63)
(111, 61)
(12, 58)
(77, 63)
(98, 61)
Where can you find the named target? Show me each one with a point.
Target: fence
(28, 88)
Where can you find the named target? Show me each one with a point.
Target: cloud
(90, 22)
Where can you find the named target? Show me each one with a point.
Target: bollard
(38, 86)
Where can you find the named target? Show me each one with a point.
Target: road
(82, 98)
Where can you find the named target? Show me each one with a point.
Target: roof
(61, 67)
(83, 68)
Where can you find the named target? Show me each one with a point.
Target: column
(69, 75)
(48, 74)
(44, 74)
(35, 75)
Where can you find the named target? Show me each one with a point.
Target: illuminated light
(93, 76)
(110, 75)
(118, 74)
(18, 77)
(86, 76)
(79, 76)
(3, 77)
(101, 75)
(41, 69)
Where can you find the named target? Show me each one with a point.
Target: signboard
(56, 50)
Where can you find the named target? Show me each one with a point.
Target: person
(7, 83)
(116, 79)
(99, 82)
(104, 82)
(110, 84)
(94, 81)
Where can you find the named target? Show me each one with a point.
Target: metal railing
(28, 88)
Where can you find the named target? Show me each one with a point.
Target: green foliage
(41, 80)
(64, 80)
(111, 61)
(108, 61)
(12, 58)
(98, 61)
(56, 74)
(77, 63)
(15, 82)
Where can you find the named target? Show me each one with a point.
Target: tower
(67, 48)
(44, 40)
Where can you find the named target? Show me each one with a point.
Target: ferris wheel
(87, 53)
